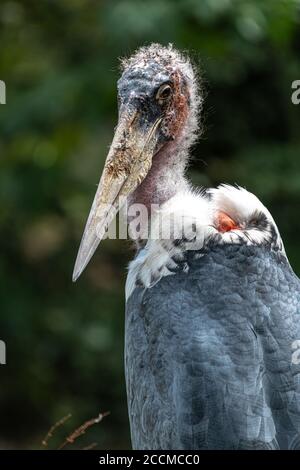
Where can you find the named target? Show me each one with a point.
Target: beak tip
(76, 274)
(78, 268)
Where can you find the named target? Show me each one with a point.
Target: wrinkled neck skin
(165, 178)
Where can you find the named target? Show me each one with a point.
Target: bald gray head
(162, 83)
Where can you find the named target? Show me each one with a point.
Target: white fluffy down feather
(194, 215)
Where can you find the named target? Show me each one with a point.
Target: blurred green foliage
(59, 60)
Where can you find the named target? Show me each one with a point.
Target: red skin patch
(226, 223)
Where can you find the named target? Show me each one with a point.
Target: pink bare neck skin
(166, 177)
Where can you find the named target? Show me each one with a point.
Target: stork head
(158, 106)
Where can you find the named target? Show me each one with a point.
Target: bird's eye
(163, 92)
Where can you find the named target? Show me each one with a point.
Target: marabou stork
(212, 316)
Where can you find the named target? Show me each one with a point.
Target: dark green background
(59, 60)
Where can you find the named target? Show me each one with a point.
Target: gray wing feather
(209, 355)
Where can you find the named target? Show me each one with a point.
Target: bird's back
(209, 354)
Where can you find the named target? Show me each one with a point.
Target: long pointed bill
(128, 162)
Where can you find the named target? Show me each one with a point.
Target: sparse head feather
(167, 57)
(159, 61)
